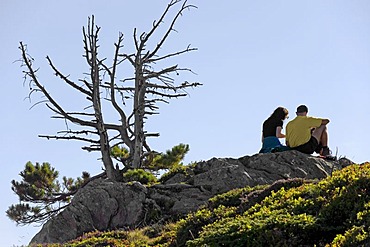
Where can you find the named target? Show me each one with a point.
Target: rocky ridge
(104, 204)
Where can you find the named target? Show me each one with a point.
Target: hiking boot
(330, 157)
(325, 152)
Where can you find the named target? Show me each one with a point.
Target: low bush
(140, 175)
(331, 212)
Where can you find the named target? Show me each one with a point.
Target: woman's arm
(278, 132)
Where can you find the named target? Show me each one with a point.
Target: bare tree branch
(58, 109)
(188, 49)
(65, 78)
(144, 90)
(165, 36)
(69, 138)
(82, 132)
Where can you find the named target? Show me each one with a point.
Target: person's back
(307, 134)
(269, 127)
(298, 131)
(271, 130)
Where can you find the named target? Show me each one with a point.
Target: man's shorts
(309, 147)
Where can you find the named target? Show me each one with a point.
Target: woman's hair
(280, 113)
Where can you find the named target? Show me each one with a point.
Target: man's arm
(287, 133)
(325, 121)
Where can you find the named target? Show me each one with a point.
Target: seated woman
(271, 131)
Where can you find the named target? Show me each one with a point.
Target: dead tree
(147, 87)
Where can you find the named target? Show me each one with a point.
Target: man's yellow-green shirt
(298, 131)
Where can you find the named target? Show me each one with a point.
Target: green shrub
(177, 169)
(356, 236)
(95, 239)
(312, 214)
(268, 229)
(220, 206)
(232, 197)
(140, 175)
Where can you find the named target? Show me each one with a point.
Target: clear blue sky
(253, 56)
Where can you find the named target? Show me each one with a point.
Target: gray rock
(177, 178)
(178, 199)
(221, 175)
(104, 204)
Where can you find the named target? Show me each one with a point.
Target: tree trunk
(139, 108)
(103, 135)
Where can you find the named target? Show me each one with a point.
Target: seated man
(308, 134)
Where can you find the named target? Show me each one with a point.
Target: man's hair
(302, 108)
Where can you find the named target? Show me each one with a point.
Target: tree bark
(139, 111)
(102, 132)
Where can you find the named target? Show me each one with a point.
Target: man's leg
(321, 134)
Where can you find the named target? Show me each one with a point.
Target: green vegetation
(140, 175)
(42, 195)
(38, 192)
(333, 212)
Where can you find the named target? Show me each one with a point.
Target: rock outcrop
(100, 205)
(104, 204)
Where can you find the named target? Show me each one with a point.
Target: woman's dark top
(269, 126)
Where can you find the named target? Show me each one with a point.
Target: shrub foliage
(42, 195)
(39, 191)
